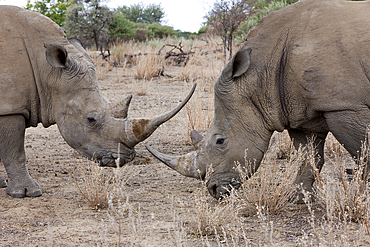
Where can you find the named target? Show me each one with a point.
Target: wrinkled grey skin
(47, 79)
(305, 68)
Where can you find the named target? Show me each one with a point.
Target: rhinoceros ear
(56, 55)
(238, 64)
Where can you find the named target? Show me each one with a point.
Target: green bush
(202, 30)
(263, 8)
(121, 28)
(161, 31)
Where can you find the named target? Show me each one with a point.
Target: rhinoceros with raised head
(44, 78)
(305, 68)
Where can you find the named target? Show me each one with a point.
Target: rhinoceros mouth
(221, 189)
(110, 159)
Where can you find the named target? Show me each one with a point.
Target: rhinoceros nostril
(212, 189)
(235, 185)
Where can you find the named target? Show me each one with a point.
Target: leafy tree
(161, 31)
(121, 28)
(54, 9)
(202, 30)
(89, 20)
(226, 17)
(260, 4)
(262, 8)
(141, 13)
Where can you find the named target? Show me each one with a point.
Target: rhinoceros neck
(268, 81)
(47, 32)
(41, 99)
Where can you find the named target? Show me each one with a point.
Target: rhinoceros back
(22, 65)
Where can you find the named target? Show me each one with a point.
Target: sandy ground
(161, 201)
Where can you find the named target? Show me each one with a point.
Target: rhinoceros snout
(219, 191)
(111, 159)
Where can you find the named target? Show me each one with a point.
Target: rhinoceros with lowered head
(304, 68)
(45, 78)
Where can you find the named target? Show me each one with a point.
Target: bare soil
(162, 200)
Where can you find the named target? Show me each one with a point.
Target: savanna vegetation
(98, 26)
(146, 203)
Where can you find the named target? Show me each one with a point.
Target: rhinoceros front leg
(12, 155)
(351, 128)
(306, 173)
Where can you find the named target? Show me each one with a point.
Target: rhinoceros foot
(19, 190)
(3, 183)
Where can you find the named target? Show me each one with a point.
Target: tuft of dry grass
(190, 73)
(271, 187)
(345, 196)
(199, 113)
(149, 66)
(94, 183)
(211, 218)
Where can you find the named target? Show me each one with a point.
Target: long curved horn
(138, 129)
(186, 164)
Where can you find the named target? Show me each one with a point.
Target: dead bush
(212, 218)
(271, 187)
(149, 66)
(94, 183)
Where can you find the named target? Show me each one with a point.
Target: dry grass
(271, 188)
(149, 66)
(102, 67)
(96, 184)
(211, 218)
(200, 109)
(264, 194)
(345, 196)
(199, 113)
(191, 72)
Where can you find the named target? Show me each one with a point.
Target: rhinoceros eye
(220, 141)
(91, 121)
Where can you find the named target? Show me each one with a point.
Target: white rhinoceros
(44, 78)
(305, 68)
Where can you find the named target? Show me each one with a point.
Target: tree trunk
(225, 44)
(230, 46)
(96, 38)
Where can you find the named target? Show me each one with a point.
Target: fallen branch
(179, 47)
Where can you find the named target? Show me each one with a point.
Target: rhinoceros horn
(138, 129)
(120, 110)
(186, 164)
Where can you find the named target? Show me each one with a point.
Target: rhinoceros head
(86, 120)
(234, 135)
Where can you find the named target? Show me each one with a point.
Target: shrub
(160, 31)
(94, 183)
(263, 9)
(149, 66)
(271, 188)
(121, 28)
